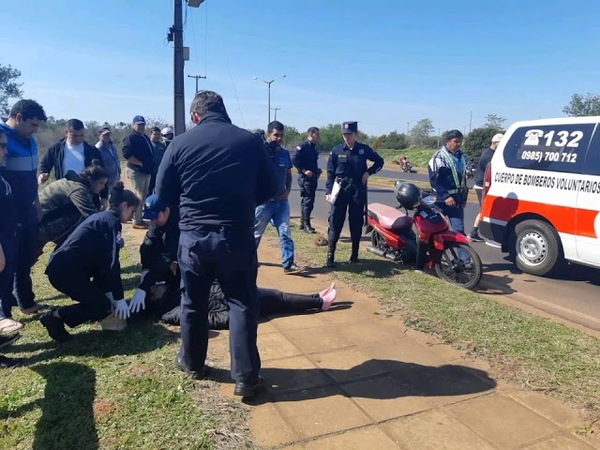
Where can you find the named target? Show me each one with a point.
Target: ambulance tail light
(487, 179)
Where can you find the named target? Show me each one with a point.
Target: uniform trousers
(354, 204)
(308, 189)
(229, 256)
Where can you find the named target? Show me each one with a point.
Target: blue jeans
(456, 214)
(277, 212)
(229, 256)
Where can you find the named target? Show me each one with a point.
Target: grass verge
(534, 352)
(419, 157)
(110, 390)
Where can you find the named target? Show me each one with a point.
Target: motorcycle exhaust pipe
(376, 251)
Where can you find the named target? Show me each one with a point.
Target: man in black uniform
(217, 173)
(306, 160)
(347, 167)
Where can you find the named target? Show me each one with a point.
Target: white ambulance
(542, 194)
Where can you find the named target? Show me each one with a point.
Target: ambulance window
(557, 148)
(592, 162)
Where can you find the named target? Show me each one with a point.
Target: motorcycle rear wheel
(459, 264)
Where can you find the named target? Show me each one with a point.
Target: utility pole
(197, 77)
(275, 109)
(470, 121)
(269, 83)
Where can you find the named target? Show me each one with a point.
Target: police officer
(306, 160)
(217, 173)
(347, 166)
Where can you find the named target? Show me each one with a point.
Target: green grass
(109, 390)
(534, 352)
(419, 157)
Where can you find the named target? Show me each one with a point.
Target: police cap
(349, 127)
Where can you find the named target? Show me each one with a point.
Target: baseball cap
(349, 127)
(152, 206)
(138, 119)
(497, 137)
(104, 130)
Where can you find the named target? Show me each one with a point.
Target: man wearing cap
(306, 160)
(137, 150)
(347, 166)
(484, 160)
(216, 173)
(110, 157)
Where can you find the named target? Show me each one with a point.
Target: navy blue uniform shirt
(306, 157)
(351, 164)
(484, 160)
(217, 173)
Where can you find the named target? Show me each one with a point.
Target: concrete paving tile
(293, 447)
(386, 398)
(370, 437)
(348, 364)
(313, 340)
(293, 373)
(502, 421)
(563, 442)
(275, 345)
(297, 322)
(371, 331)
(343, 315)
(551, 408)
(268, 428)
(434, 430)
(402, 349)
(266, 327)
(316, 412)
(446, 352)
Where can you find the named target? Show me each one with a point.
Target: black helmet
(407, 194)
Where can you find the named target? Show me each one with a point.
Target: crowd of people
(204, 198)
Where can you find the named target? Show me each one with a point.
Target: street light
(268, 83)
(408, 126)
(275, 109)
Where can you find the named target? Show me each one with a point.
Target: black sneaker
(55, 326)
(195, 374)
(7, 339)
(249, 389)
(293, 269)
(475, 238)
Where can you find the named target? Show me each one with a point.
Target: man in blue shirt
(277, 209)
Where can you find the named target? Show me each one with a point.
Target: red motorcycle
(423, 239)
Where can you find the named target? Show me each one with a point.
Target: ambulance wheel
(536, 247)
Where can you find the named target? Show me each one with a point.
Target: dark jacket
(159, 149)
(64, 204)
(8, 214)
(93, 250)
(217, 173)
(139, 146)
(351, 164)
(307, 158)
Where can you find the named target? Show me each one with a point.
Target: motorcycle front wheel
(459, 264)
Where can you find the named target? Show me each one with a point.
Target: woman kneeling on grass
(86, 268)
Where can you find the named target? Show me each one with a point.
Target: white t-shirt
(73, 159)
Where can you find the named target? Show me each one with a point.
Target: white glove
(138, 301)
(109, 296)
(121, 309)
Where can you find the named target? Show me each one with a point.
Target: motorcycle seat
(388, 217)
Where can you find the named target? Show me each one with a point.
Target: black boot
(302, 223)
(308, 227)
(331, 256)
(354, 255)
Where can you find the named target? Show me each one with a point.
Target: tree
(494, 121)
(420, 133)
(583, 106)
(478, 140)
(9, 88)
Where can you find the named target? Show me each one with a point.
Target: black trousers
(229, 256)
(92, 305)
(273, 301)
(352, 202)
(308, 189)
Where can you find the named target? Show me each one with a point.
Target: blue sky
(381, 62)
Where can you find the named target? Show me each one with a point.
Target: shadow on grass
(67, 419)
(375, 379)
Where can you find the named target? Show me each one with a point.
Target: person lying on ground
(86, 268)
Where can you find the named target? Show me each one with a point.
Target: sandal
(8, 326)
(37, 307)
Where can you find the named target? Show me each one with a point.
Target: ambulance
(542, 194)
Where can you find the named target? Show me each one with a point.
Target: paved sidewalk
(352, 378)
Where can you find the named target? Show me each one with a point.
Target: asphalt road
(574, 296)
